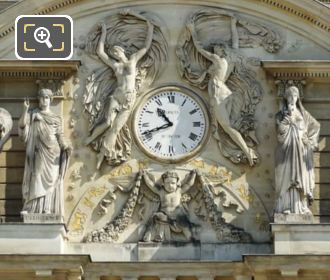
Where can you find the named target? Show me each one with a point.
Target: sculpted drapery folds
(133, 60)
(233, 89)
(297, 134)
(47, 155)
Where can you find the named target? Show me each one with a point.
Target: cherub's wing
(129, 31)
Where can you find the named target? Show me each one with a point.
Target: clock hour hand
(161, 113)
(157, 128)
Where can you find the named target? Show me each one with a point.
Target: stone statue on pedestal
(47, 156)
(297, 134)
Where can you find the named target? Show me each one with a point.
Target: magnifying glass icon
(41, 35)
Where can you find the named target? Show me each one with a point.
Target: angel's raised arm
(189, 181)
(200, 49)
(100, 47)
(150, 182)
(140, 53)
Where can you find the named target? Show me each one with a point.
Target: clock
(171, 124)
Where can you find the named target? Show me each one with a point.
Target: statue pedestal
(298, 234)
(19, 238)
(293, 219)
(35, 218)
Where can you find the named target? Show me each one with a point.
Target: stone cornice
(304, 9)
(32, 70)
(298, 70)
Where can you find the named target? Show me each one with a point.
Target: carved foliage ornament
(133, 48)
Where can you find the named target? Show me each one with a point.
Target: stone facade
(168, 113)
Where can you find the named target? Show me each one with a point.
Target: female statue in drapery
(47, 156)
(297, 135)
(111, 93)
(232, 88)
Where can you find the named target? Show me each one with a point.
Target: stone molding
(27, 70)
(301, 9)
(303, 14)
(297, 69)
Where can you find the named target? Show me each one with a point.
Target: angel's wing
(247, 93)
(99, 86)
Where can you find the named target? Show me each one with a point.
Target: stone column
(243, 277)
(167, 277)
(130, 277)
(44, 274)
(260, 277)
(205, 277)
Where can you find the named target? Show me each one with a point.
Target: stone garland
(226, 233)
(110, 232)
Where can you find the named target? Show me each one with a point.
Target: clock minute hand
(157, 128)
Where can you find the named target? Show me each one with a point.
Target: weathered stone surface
(32, 238)
(290, 239)
(293, 218)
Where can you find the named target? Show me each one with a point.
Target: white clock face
(171, 124)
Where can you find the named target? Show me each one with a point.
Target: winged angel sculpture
(233, 89)
(133, 48)
(172, 220)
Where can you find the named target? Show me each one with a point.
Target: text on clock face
(171, 124)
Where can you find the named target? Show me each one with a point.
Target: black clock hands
(161, 113)
(157, 128)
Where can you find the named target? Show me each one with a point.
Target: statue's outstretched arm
(100, 47)
(149, 182)
(140, 53)
(205, 53)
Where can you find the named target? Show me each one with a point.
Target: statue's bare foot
(88, 140)
(100, 158)
(253, 157)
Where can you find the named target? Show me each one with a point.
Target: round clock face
(171, 124)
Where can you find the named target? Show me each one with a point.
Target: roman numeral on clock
(158, 146)
(193, 111)
(171, 149)
(196, 124)
(148, 136)
(145, 125)
(158, 102)
(171, 98)
(193, 136)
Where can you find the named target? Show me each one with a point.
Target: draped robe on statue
(294, 172)
(45, 163)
